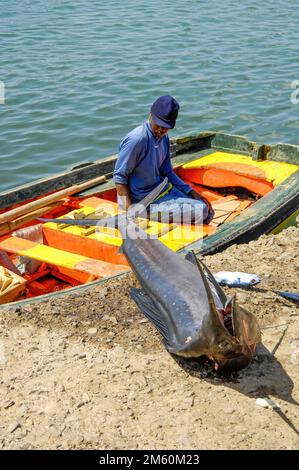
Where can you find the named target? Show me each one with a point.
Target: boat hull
(270, 213)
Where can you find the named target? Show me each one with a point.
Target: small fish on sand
(236, 279)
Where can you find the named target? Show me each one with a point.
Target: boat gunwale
(71, 291)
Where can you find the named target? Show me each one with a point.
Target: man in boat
(144, 161)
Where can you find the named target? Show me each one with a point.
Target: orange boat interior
(52, 257)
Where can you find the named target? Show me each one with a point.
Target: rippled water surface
(79, 74)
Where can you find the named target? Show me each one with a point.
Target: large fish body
(186, 307)
(185, 303)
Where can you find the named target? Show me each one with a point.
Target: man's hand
(198, 196)
(124, 195)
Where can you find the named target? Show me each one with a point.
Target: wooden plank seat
(64, 259)
(103, 243)
(274, 172)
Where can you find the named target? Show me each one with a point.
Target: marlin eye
(224, 345)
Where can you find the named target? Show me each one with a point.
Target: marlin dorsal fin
(139, 209)
(211, 301)
(220, 292)
(190, 256)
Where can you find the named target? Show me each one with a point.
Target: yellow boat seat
(64, 259)
(271, 171)
(103, 243)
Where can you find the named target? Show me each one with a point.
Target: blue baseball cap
(165, 111)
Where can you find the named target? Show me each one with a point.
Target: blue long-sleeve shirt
(144, 161)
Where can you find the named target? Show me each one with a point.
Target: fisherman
(144, 161)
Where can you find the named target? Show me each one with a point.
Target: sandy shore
(89, 371)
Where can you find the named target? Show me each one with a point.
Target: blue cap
(165, 111)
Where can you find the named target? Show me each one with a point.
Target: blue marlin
(181, 297)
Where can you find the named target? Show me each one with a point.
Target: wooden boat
(254, 189)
